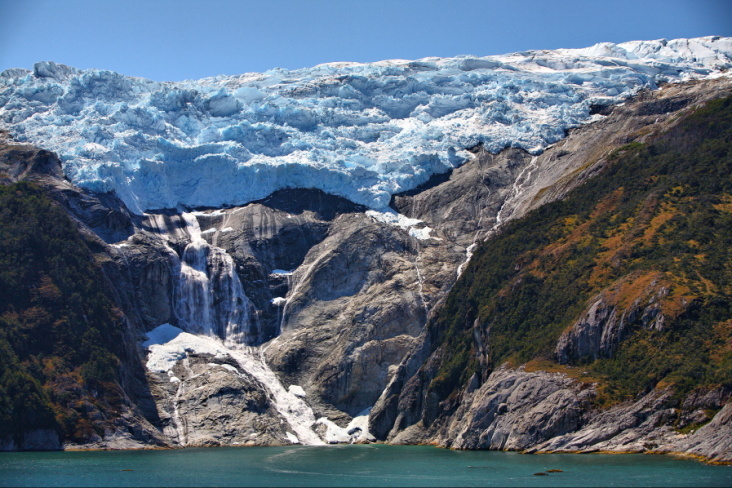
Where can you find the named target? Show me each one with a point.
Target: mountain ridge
(515, 313)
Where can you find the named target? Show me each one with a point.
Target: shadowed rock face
(35, 440)
(601, 328)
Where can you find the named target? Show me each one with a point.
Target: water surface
(372, 465)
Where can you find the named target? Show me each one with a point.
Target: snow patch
(356, 430)
(296, 390)
(161, 334)
(227, 367)
(168, 344)
(422, 233)
(278, 301)
(219, 212)
(415, 227)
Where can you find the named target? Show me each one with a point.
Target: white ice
(168, 344)
(296, 390)
(415, 227)
(356, 430)
(361, 131)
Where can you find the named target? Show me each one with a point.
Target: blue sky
(169, 40)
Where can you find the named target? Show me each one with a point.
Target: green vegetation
(656, 223)
(59, 332)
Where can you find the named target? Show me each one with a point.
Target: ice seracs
(361, 131)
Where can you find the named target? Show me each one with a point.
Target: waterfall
(520, 185)
(209, 298)
(210, 302)
(281, 302)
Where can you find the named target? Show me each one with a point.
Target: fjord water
(350, 465)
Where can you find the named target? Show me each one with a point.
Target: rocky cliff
(321, 307)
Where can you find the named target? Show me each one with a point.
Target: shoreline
(676, 454)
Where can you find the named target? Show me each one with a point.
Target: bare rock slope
(339, 299)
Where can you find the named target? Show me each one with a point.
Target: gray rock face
(646, 425)
(594, 335)
(465, 207)
(211, 401)
(515, 410)
(340, 301)
(549, 412)
(395, 410)
(600, 329)
(24, 162)
(712, 441)
(632, 427)
(355, 307)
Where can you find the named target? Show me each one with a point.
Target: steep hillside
(624, 286)
(61, 336)
(71, 372)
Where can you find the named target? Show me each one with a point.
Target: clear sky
(168, 40)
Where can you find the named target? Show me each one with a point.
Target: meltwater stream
(213, 309)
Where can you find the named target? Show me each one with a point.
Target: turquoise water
(373, 465)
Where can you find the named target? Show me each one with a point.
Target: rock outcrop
(710, 442)
(607, 321)
(209, 401)
(514, 410)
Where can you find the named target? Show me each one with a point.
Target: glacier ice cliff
(360, 131)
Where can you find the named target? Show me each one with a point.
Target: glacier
(360, 131)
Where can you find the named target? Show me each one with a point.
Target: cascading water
(210, 298)
(295, 410)
(281, 302)
(210, 301)
(520, 185)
